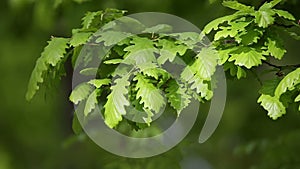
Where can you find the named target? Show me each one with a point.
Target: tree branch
(281, 67)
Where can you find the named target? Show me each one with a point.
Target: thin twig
(282, 66)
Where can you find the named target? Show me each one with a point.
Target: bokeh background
(38, 134)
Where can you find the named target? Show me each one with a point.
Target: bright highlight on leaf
(116, 102)
(150, 96)
(272, 104)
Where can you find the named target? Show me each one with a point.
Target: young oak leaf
(53, 55)
(141, 51)
(111, 37)
(240, 73)
(284, 14)
(225, 33)
(151, 96)
(80, 38)
(273, 105)
(214, 25)
(246, 56)
(160, 28)
(264, 17)
(99, 82)
(288, 82)
(269, 86)
(201, 87)
(238, 6)
(177, 96)
(80, 93)
(275, 48)
(91, 102)
(206, 62)
(250, 36)
(169, 51)
(187, 38)
(88, 19)
(116, 102)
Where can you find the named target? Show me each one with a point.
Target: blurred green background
(38, 135)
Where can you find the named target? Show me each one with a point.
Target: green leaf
(225, 33)
(177, 96)
(52, 55)
(269, 5)
(169, 51)
(264, 17)
(206, 62)
(240, 73)
(200, 72)
(89, 71)
(116, 102)
(187, 74)
(150, 96)
(224, 55)
(99, 82)
(141, 51)
(113, 61)
(231, 67)
(148, 119)
(297, 99)
(288, 82)
(156, 72)
(91, 102)
(269, 87)
(88, 19)
(187, 38)
(214, 25)
(111, 37)
(201, 87)
(54, 52)
(246, 56)
(80, 38)
(250, 36)
(275, 47)
(272, 104)
(284, 14)
(237, 6)
(161, 28)
(139, 44)
(80, 93)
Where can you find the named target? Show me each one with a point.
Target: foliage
(242, 42)
(250, 37)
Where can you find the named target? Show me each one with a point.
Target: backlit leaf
(246, 56)
(288, 82)
(116, 102)
(237, 6)
(177, 96)
(264, 18)
(52, 55)
(111, 37)
(150, 96)
(80, 93)
(91, 102)
(272, 104)
(284, 14)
